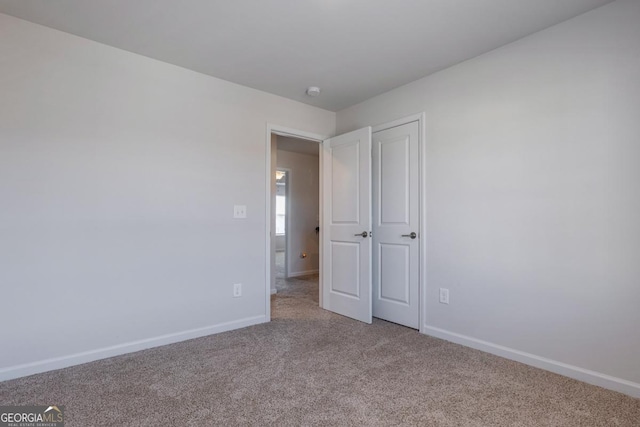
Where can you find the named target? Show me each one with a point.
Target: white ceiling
(352, 49)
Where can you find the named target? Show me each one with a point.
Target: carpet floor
(309, 367)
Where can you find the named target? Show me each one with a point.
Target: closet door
(396, 231)
(346, 225)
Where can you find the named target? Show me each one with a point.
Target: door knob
(413, 235)
(363, 234)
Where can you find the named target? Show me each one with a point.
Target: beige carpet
(310, 367)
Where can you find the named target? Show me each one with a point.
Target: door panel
(394, 181)
(345, 278)
(345, 194)
(346, 223)
(395, 217)
(394, 273)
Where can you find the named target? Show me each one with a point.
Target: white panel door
(396, 225)
(346, 225)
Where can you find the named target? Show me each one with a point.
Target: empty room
(319, 213)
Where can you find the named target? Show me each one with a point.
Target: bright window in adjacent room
(281, 202)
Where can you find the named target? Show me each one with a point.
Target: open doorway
(295, 216)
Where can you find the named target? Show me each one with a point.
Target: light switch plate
(237, 290)
(240, 211)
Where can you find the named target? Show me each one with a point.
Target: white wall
(533, 192)
(304, 208)
(118, 176)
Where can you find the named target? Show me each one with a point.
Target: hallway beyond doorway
(280, 267)
(304, 289)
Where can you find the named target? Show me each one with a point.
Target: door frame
(299, 134)
(422, 207)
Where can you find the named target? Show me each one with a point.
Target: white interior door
(396, 225)
(346, 225)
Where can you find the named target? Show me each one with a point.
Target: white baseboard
(274, 291)
(116, 350)
(303, 273)
(585, 375)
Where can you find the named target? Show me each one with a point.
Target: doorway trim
(293, 133)
(422, 185)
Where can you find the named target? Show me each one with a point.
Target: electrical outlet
(239, 211)
(237, 290)
(444, 296)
